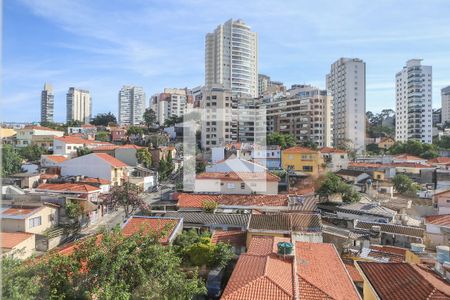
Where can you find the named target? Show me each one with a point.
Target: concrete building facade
(79, 105)
(414, 113)
(131, 105)
(445, 108)
(346, 82)
(47, 103)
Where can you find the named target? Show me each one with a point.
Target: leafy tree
(413, 147)
(309, 144)
(200, 166)
(32, 152)
(150, 118)
(83, 151)
(333, 184)
(55, 126)
(172, 120)
(134, 130)
(11, 160)
(144, 157)
(104, 119)
(74, 123)
(128, 196)
(443, 143)
(283, 140)
(209, 206)
(102, 136)
(403, 184)
(73, 210)
(373, 148)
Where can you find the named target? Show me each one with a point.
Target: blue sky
(102, 44)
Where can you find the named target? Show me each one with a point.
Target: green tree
(413, 147)
(83, 151)
(55, 126)
(32, 152)
(404, 184)
(102, 136)
(150, 118)
(144, 157)
(172, 120)
(282, 140)
(104, 119)
(128, 196)
(373, 148)
(209, 206)
(309, 144)
(74, 123)
(333, 184)
(11, 160)
(134, 130)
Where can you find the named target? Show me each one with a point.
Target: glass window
(33, 222)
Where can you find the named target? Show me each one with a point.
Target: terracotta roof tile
(74, 140)
(196, 200)
(137, 224)
(68, 187)
(298, 149)
(9, 240)
(407, 157)
(56, 158)
(286, 222)
(331, 150)
(353, 272)
(96, 180)
(232, 176)
(400, 281)
(111, 160)
(439, 160)
(105, 148)
(439, 220)
(37, 127)
(235, 238)
(20, 212)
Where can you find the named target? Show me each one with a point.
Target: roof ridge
(313, 285)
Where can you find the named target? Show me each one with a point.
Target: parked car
(214, 282)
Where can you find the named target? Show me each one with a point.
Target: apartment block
(173, 102)
(47, 103)
(346, 82)
(307, 115)
(79, 105)
(445, 98)
(131, 105)
(231, 58)
(414, 113)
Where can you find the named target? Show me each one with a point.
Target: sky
(101, 45)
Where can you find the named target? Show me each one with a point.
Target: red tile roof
(439, 220)
(401, 281)
(353, 272)
(48, 176)
(298, 149)
(232, 176)
(74, 140)
(131, 146)
(56, 158)
(331, 150)
(105, 148)
(37, 127)
(111, 160)
(196, 200)
(235, 238)
(136, 224)
(439, 160)
(95, 180)
(68, 187)
(8, 240)
(19, 212)
(407, 157)
(390, 249)
(365, 165)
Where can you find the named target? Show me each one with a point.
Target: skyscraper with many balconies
(131, 105)
(231, 58)
(47, 103)
(414, 113)
(79, 105)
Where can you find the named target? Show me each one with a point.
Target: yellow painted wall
(299, 161)
(368, 292)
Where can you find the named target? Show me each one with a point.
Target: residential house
(19, 245)
(236, 165)
(231, 150)
(80, 190)
(236, 183)
(235, 238)
(302, 160)
(118, 135)
(335, 159)
(269, 156)
(97, 165)
(25, 180)
(43, 141)
(210, 221)
(401, 281)
(442, 163)
(406, 158)
(85, 131)
(52, 160)
(32, 219)
(370, 212)
(303, 227)
(279, 268)
(353, 176)
(168, 228)
(387, 254)
(378, 171)
(68, 145)
(103, 184)
(125, 153)
(441, 201)
(7, 136)
(437, 230)
(386, 143)
(162, 153)
(24, 136)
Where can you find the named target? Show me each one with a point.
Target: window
(230, 186)
(307, 168)
(33, 222)
(242, 186)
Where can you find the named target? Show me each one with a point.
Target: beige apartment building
(79, 105)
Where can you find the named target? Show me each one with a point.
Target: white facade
(445, 98)
(414, 113)
(231, 58)
(236, 165)
(131, 105)
(173, 102)
(347, 84)
(47, 103)
(24, 136)
(79, 105)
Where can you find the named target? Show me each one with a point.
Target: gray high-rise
(47, 103)
(131, 105)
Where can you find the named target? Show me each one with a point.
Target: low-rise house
(406, 158)
(303, 227)
(19, 245)
(97, 165)
(145, 178)
(43, 141)
(236, 165)
(79, 190)
(32, 219)
(344, 239)
(387, 254)
(125, 153)
(68, 145)
(269, 156)
(160, 153)
(386, 143)
(401, 281)
(335, 159)
(25, 180)
(278, 268)
(235, 238)
(377, 171)
(118, 135)
(7, 136)
(211, 221)
(441, 201)
(302, 161)
(103, 184)
(168, 228)
(236, 150)
(24, 136)
(353, 176)
(52, 160)
(440, 162)
(236, 183)
(391, 234)
(437, 230)
(371, 212)
(86, 131)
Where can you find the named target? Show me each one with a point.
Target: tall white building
(172, 103)
(445, 98)
(79, 105)
(47, 103)
(414, 114)
(231, 58)
(131, 105)
(346, 82)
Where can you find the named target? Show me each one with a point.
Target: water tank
(443, 253)
(285, 248)
(417, 248)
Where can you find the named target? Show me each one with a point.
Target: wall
(12, 225)
(296, 160)
(24, 249)
(46, 223)
(127, 155)
(87, 165)
(234, 187)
